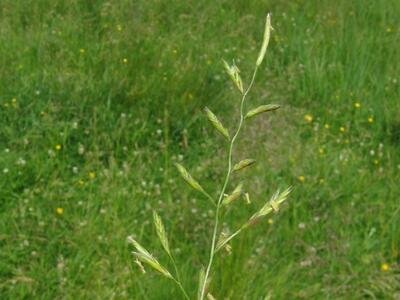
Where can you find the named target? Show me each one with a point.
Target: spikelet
(273, 205)
(244, 164)
(235, 194)
(216, 123)
(144, 256)
(261, 109)
(267, 34)
(233, 72)
(188, 178)
(162, 235)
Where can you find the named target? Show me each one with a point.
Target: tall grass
(122, 125)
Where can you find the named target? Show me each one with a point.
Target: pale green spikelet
(267, 35)
(162, 235)
(233, 72)
(188, 178)
(261, 109)
(152, 262)
(237, 192)
(144, 256)
(273, 205)
(216, 123)
(244, 164)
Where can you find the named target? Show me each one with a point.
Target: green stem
(181, 288)
(178, 278)
(228, 174)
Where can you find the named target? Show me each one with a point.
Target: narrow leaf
(267, 34)
(216, 123)
(261, 109)
(244, 164)
(162, 235)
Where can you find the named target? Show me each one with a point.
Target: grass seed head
(261, 109)
(237, 192)
(233, 72)
(188, 178)
(272, 205)
(244, 164)
(216, 123)
(144, 256)
(162, 235)
(267, 35)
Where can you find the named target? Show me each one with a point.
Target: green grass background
(120, 86)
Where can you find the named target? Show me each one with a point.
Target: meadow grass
(99, 99)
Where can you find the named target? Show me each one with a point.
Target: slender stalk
(181, 288)
(178, 277)
(228, 174)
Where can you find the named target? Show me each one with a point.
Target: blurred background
(98, 99)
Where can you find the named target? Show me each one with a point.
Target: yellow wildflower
(321, 151)
(342, 129)
(301, 178)
(370, 119)
(384, 267)
(308, 118)
(119, 27)
(81, 182)
(92, 175)
(327, 126)
(82, 50)
(125, 60)
(270, 221)
(58, 147)
(59, 210)
(357, 105)
(322, 181)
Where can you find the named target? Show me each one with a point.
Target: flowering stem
(228, 174)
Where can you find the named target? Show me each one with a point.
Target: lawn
(99, 99)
